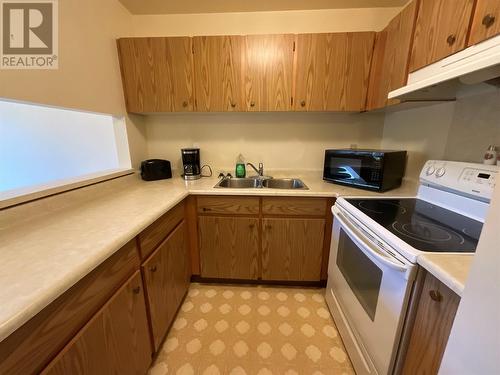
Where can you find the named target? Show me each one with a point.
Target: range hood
(445, 79)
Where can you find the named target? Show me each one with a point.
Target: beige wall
(88, 77)
(279, 140)
(459, 131)
(308, 21)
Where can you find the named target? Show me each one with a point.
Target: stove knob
(430, 170)
(440, 172)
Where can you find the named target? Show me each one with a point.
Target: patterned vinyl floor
(239, 330)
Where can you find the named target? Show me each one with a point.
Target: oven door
(368, 291)
(361, 169)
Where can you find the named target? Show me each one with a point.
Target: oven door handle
(367, 247)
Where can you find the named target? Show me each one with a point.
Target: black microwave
(377, 170)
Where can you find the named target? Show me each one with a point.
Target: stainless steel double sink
(261, 183)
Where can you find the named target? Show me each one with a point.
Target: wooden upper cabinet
(486, 21)
(116, 340)
(268, 72)
(157, 74)
(332, 71)
(441, 30)
(218, 73)
(389, 70)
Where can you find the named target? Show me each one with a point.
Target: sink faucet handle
(261, 169)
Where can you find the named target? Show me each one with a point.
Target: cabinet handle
(488, 20)
(251, 226)
(252, 104)
(233, 105)
(136, 290)
(184, 104)
(205, 209)
(269, 227)
(451, 39)
(303, 103)
(153, 268)
(435, 295)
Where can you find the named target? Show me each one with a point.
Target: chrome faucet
(260, 171)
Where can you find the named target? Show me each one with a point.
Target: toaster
(155, 169)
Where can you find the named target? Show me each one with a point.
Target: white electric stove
(375, 246)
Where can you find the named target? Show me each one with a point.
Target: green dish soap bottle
(240, 167)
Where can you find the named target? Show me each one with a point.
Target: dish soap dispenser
(240, 167)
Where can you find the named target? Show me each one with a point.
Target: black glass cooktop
(422, 225)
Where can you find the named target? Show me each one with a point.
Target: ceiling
(222, 6)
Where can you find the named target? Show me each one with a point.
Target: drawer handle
(451, 39)
(153, 268)
(488, 20)
(251, 226)
(205, 209)
(136, 290)
(435, 295)
(269, 227)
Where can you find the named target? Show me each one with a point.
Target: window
(45, 147)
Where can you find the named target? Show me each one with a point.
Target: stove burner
(427, 232)
(377, 207)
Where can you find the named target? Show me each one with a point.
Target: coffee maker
(191, 163)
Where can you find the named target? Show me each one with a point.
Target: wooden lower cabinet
(292, 249)
(116, 340)
(167, 275)
(229, 247)
(435, 315)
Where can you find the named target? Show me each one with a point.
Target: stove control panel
(476, 180)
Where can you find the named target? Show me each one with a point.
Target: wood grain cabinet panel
(115, 341)
(229, 247)
(31, 347)
(441, 30)
(292, 249)
(166, 275)
(228, 205)
(218, 73)
(389, 70)
(295, 206)
(486, 21)
(332, 71)
(435, 315)
(153, 235)
(268, 72)
(157, 74)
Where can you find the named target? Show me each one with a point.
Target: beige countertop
(451, 269)
(48, 245)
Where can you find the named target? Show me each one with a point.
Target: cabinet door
(441, 30)
(389, 70)
(332, 71)
(486, 21)
(435, 314)
(218, 73)
(166, 278)
(268, 71)
(292, 249)
(157, 74)
(116, 340)
(229, 247)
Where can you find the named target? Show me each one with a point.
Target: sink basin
(284, 183)
(256, 183)
(239, 183)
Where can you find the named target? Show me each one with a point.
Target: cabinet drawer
(229, 205)
(32, 346)
(151, 237)
(294, 206)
